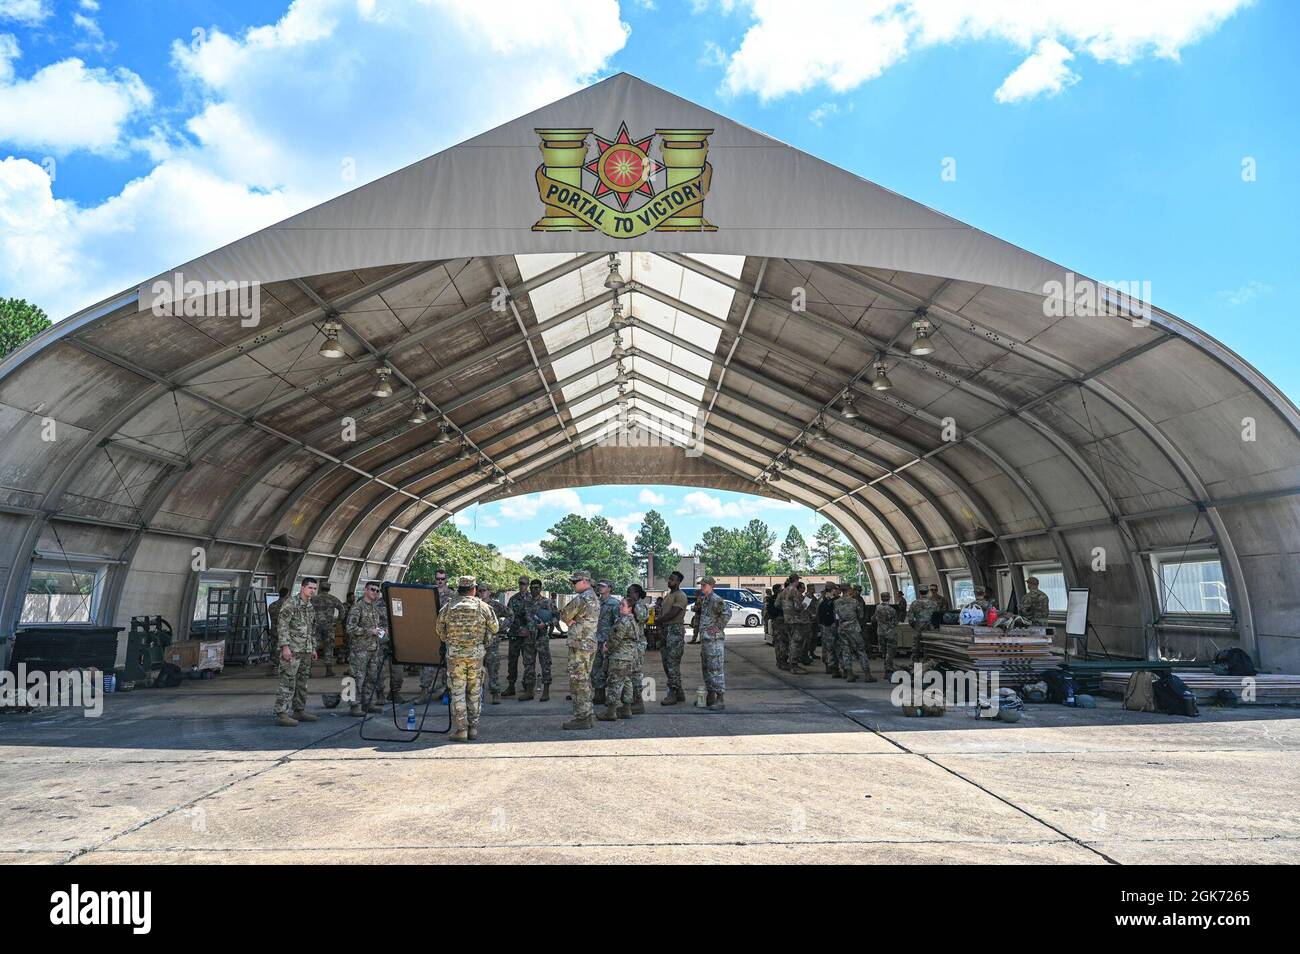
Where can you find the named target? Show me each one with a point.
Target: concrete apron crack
(953, 772)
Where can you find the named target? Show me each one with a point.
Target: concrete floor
(798, 769)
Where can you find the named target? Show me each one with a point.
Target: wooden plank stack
(1270, 688)
(1017, 655)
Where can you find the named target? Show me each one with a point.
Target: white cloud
(283, 112)
(627, 525)
(790, 49)
(66, 106)
(1046, 71)
(818, 115)
(517, 551)
(698, 503)
(530, 505)
(1246, 293)
(650, 498)
(28, 12)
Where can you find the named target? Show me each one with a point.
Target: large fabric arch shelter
(760, 294)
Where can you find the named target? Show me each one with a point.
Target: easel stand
(414, 734)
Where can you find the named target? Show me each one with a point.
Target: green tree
(844, 563)
(793, 555)
(824, 543)
(655, 539)
(718, 550)
(19, 322)
(591, 544)
(744, 551)
(449, 549)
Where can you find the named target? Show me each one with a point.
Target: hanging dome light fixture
(383, 387)
(465, 453)
(330, 347)
(617, 322)
(850, 410)
(444, 434)
(923, 344)
(417, 412)
(881, 381)
(614, 280)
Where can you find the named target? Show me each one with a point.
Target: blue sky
(1152, 142)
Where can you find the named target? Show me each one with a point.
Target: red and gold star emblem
(623, 166)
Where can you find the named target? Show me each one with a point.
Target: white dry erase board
(1076, 612)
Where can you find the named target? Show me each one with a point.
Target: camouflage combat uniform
(670, 654)
(492, 658)
(828, 634)
(621, 650)
(328, 611)
(919, 617)
(713, 616)
(297, 631)
(640, 614)
(273, 619)
(604, 625)
(580, 615)
(466, 625)
(801, 637)
(790, 600)
(428, 674)
(363, 646)
(886, 619)
(1034, 607)
(851, 646)
(536, 647)
(517, 612)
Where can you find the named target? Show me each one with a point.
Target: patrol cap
(465, 581)
(709, 581)
(606, 583)
(577, 575)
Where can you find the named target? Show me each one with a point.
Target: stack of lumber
(1018, 655)
(1269, 688)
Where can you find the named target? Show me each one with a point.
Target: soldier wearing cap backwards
(465, 625)
(609, 613)
(297, 650)
(671, 615)
(620, 650)
(581, 614)
(713, 617)
(886, 619)
(1034, 605)
(517, 613)
(492, 658)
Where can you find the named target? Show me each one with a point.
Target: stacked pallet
(1017, 655)
(1269, 688)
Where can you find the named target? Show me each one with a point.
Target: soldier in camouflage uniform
(886, 620)
(713, 616)
(537, 642)
(640, 615)
(780, 626)
(919, 616)
(827, 630)
(940, 602)
(580, 615)
(297, 649)
(801, 631)
(1034, 605)
(850, 644)
(671, 616)
(609, 613)
(466, 625)
(328, 611)
(492, 658)
(517, 613)
(366, 622)
(620, 650)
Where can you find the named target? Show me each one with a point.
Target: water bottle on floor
(410, 719)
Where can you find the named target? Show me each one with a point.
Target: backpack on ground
(1173, 697)
(1233, 662)
(1139, 694)
(1057, 686)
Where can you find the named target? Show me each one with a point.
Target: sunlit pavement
(797, 769)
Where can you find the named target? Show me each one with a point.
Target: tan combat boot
(673, 697)
(625, 712)
(576, 723)
(356, 710)
(460, 735)
(285, 720)
(472, 732)
(717, 704)
(546, 693)
(609, 715)
(304, 716)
